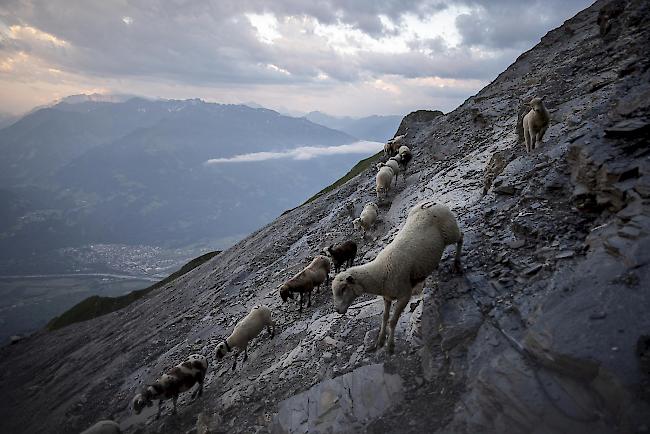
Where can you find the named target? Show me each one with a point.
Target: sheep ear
(349, 279)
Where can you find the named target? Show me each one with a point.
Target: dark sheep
(343, 253)
(312, 276)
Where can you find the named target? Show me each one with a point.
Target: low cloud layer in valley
(302, 153)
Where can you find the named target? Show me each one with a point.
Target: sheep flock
(398, 271)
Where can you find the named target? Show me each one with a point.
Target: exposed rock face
(411, 121)
(546, 330)
(342, 404)
(498, 161)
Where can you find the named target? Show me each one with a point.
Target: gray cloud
(452, 63)
(206, 44)
(513, 23)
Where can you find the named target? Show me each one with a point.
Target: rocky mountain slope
(547, 330)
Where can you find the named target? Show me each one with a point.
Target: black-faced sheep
(246, 329)
(343, 253)
(177, 380)
(367, 217)
(403, 265)
(384, 179)
(312, 276)
(535, 123)
(405, 156)
(391, 146)
(104, 427)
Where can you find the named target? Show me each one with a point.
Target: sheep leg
(458, 268)
(300, 309)
(399, 308)
(527, 138)
(199, 390)
(234, 363)
(382, 330)
(309, 298)
(533, 137)
(540, 134)
(271, 330)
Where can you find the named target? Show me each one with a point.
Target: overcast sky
(355, 57)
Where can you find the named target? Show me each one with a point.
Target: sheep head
(285, 293)
(140, 401)
(345, 289)
(537, 104)
(221, 350)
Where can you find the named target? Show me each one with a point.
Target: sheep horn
(428, 204)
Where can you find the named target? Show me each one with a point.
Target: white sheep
(104, 427)
(391, 146)
(394, 164)
(310, 277)
(402, 266)
(535, 123)
(384, 179)
(367, 217)
(177, 380)
(245, 330)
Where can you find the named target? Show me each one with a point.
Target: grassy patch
(357, 169)
(95, 306)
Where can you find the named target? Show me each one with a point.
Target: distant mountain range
(86, 171)
(375, 128)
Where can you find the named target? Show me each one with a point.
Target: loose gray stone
(533, 269)
(343, 404)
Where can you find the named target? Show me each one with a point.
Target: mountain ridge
(378, 128)
(105, 172)
(545, 331)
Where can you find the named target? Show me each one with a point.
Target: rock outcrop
(546, 330)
